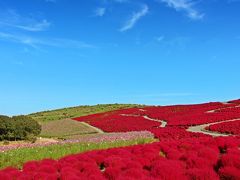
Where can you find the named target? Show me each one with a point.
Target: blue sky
(59, 53)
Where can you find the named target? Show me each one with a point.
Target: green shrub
(18, 128)
(31, 138)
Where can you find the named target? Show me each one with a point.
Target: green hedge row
(18, 128)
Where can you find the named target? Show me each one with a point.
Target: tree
(18, 128)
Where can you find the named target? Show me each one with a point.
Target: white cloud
(121, 1)
(231, 1)
(135, 18)
(179, 42)
(52, 1)
(116, 1)
(186, 6)
(175, 94)
(38, 26)
(160, 38)
(11, 18)
(100, 12)
(35, 42)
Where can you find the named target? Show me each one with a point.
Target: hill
(196, 141)
(78, 111)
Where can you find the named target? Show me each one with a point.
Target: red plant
(231, 127)
(179, 154)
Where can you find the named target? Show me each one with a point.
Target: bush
(18, 128)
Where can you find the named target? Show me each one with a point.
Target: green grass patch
(78, 111)
(65, 127)
(17, 157)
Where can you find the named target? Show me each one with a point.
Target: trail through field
(215, 110)
(201, 128)
(95, 128)
(163, 123)
(46, 140)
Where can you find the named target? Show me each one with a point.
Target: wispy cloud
(117, 1)
(121, 1)
(11, 18)
(232, 1)
(36, 42)
(186, 6)
(52, 1)
(100, 11)
(135, 18)
(180, 42)
(171, 44)
(160, 38)
(176, 94)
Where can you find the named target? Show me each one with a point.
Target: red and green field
(195, 142)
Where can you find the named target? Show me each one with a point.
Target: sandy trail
(201, 128)
(163, 123)
(97, 129)
(214, 110)
(195, 129)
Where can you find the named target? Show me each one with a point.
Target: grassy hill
(71, 112)
(65, 128)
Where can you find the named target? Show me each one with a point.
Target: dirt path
(97, 129)
(44, 140)
(130, 115)
(201, 128)
(214, 110)
(163, 123)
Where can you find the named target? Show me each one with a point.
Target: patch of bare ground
(66, 127)
(202, 128)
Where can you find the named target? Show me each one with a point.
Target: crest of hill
(78, 111)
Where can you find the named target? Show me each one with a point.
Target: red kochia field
(179, 154)
(190, 158)
(232, 127)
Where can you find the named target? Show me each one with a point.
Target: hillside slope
(78, 111)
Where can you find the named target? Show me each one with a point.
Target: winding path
(214, 110)
(201, 128)
(194, 129)
(93, 127)
(163, 123)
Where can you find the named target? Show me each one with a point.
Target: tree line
(18, 128)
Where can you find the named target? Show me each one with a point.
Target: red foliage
(180, 115)
(119, 123)
(179, 154)
(202, 174)
(229, 172)
(174, 159)
(232, 127)
(235, 101)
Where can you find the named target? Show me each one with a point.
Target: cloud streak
(232, 1)
(12, 19)
(135, 18)
(36, 42)
(161, 95)
(51, 1)
(100, 12)
(184, 5)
